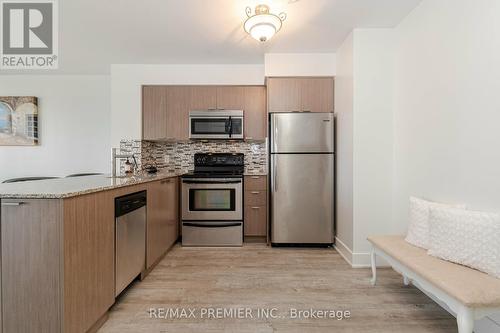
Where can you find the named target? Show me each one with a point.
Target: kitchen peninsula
(58, 247)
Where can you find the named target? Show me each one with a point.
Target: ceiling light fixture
(263, 25)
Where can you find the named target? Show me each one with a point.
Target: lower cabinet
(162, 224)
(58, 256)
(31, 265)
(255, 220)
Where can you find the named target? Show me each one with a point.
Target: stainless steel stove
(212, 201)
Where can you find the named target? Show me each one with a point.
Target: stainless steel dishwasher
(130, 239)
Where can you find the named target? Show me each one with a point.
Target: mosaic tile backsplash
(178, 156)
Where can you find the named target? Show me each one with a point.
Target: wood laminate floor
(259, 277)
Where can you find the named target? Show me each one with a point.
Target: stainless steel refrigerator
(302, 178)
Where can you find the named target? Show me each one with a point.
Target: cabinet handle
(248, 138)
(306, 110)
(255, 177)
(255, 192)
(255, 207)
(165, 181)
(13, 203)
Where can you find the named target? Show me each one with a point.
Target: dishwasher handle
(129, 203)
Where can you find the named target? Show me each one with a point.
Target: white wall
(126, 82)
(447, 110)
(74, 126)
(373, 137)
(300, 64)
(344, 86)
(364, 103)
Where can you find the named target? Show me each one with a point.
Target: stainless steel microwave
(216, 124)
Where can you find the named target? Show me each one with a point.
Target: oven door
(215, 127)
(212, 199)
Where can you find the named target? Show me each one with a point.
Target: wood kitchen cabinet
(283, 94)
(154, 112)
(58, 256)
(317, 94)
(255, 113)
(89, 259)
(166, 109)
(203, 98)
(231, 97)
(300, 94)
(255, 220)
(178, 106)
(57, 263)
(31, 232)
(162, 223)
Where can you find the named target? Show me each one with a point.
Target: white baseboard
(344, 251)
(357, 259)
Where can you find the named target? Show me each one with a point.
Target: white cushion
(418, 229)
(466, 237)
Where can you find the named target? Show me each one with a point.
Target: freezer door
(302, 198)
(302, 132)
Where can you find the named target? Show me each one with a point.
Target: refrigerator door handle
(274, 183)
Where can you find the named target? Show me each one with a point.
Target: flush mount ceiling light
(263, 25)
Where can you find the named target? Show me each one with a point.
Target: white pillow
(466, 237)
(418, 229)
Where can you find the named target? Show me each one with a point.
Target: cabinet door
(178, 104)
(283, 94)
(162, 219)
(317, 94)
(154, 112)
(255, 113)
(203, 98)
(89, 259)
(255, 221)
(31, 292)
(230, 98)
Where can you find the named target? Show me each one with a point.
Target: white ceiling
(97, 33)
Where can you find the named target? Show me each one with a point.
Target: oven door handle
(204, 225)
(211, 181)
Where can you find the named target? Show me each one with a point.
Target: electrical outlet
(166, 159)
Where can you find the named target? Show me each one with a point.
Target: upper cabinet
(178, 106)
(294, 94)
(154, 112)
(166, 108)
(203, 98)
(283, 94)
(255, 113)
(231, 98)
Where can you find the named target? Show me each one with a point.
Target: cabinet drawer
(255, 183)
(256, 198)
(255, 223)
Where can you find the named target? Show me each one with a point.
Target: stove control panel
(219, 159)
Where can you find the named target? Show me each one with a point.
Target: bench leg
(406, 280)
(374, 268)
(465, 320)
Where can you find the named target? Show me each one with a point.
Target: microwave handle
(230, 127)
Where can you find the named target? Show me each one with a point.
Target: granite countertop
(70, 187)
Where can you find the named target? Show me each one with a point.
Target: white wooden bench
(468, 293)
